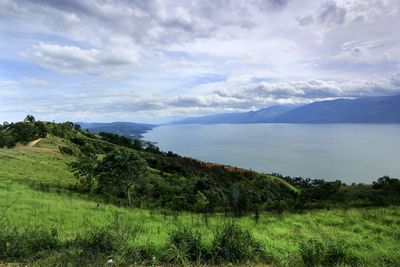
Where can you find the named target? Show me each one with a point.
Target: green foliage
(86, 224)
(181, 183)
(97, 241)
(312, 252)
(371, 234)
(41, 129)
(116, 139)
(84, 169)
(317, 193)
(184, 246)
(201, 202)
(23, 132)
(66, 150)
(328, 252)
(29, 243)
(234, 244)
(6, 140)
(29, 118)
(336, 252)
(387, 184)
(119, 171)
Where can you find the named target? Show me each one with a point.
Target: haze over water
(358, 153)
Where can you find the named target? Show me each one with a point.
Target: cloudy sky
(151, 61)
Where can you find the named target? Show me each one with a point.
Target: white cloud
(40, 83)
(76, 60)
(314, 89)
(185, 57)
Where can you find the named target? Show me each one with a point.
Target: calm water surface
(349, 152)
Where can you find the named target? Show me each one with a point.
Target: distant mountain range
(128, 129)
(384, 109)
(259, 116)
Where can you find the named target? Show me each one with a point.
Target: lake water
(349, 152)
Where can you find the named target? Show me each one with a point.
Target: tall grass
(42, 223)
(356, 237)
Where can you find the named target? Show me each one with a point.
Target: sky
(155, 61)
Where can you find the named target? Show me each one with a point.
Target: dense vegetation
(60, 228)
(49, 217)
(166, 180)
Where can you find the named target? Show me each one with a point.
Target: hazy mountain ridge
(383, 109)
(259, 116)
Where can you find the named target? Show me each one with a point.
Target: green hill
(173, 181)
(48, 218)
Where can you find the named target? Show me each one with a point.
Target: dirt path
(34, 142)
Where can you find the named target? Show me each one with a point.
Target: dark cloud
(272, 4)
(330, 13)
(75, 6)
(356, 52)
(395, 79)
(304, 21)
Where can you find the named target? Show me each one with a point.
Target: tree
(84, 169)
(137, 144)
(77, 127)
(23, 132)
(120, 170)
(388, 184)
(201, 202)
(29, 118)
(41, 129)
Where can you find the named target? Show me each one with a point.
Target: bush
(113, 240)
(312, 252)
(99, 241)
(184, 245)
(31, 243)
(315, 252)
(234, 245)
(336, 252)
(66, 150)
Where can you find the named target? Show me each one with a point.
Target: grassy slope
(42, 163)
(372, 234)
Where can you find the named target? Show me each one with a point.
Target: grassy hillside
(46, 221)
(370, 236)
(27, 205)
(39, 164)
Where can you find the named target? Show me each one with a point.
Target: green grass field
(370, 236)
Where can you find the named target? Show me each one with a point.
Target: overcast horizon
(155, 61)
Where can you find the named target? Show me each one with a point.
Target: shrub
(184, 245)
(66, 150)
(100, 243)
(148, 254)
(31, 243)
(95, 242)
(234, 245)
(312, 252)
(336, 252)
(315, 252)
